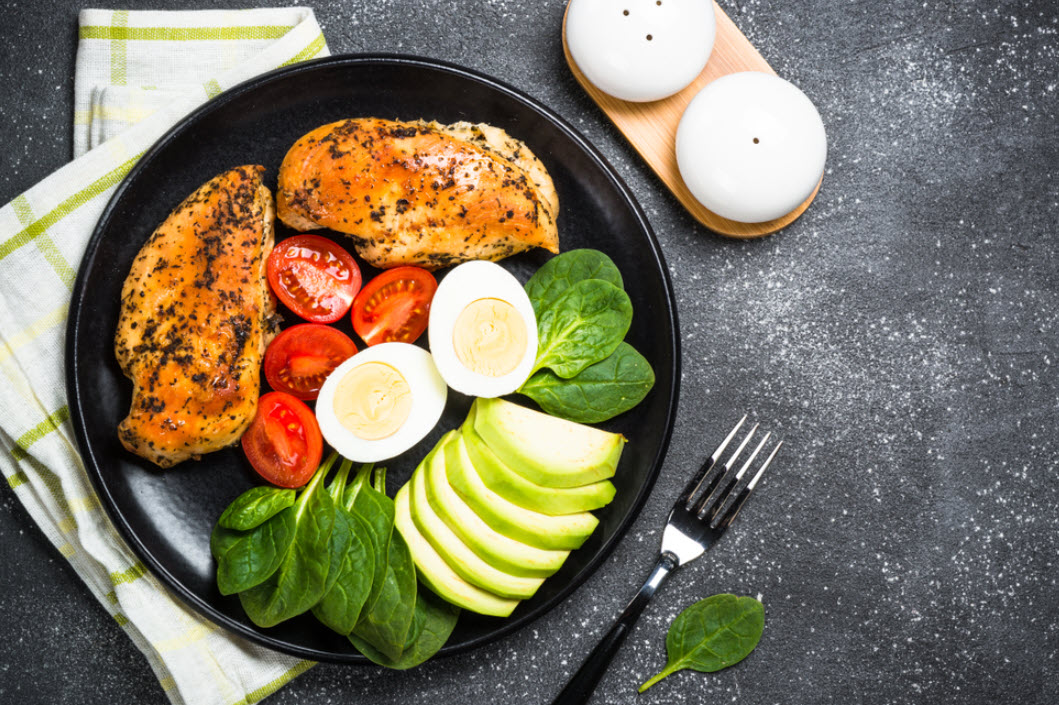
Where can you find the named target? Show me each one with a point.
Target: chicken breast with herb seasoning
(196, 316)
(419, 193)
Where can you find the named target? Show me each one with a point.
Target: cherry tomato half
(394, 306)
(283, 442)
(314, 277)
(299, 359)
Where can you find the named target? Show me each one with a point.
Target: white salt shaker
(751, 147)
(640, 50)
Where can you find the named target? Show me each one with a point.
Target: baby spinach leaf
(599, 392)
(301, 579)
(352, 568)
(582, 326)
(433, 623)
(563, 271)
(712, 634)
(386, 621)
(255, 506)
(377, 513)
(387, 616)
(248, 558)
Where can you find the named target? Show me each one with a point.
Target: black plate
(167, 516)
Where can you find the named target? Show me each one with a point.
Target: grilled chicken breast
(419, 193)
(196, 316)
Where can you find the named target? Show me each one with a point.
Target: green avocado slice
(435, 573)
(507, 554)
(513, 487)
(455, 552)
(547, 450)
(534, 528)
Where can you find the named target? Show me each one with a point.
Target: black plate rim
(78, 409)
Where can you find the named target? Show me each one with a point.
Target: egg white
(426, 386)
(462, 286)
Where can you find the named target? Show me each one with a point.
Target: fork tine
(726, 514)
(724, 503)
(700, 477)
(723, 480)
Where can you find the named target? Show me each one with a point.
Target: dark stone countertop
(901, 335)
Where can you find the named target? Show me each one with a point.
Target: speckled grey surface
(901, 335)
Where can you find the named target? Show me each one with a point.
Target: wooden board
(651, 128)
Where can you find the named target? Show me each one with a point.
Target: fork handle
(582, 685)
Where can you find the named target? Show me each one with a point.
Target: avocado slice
(496, 549)
(507, 483)
(525, 525)
(455, 552)
(544, 449)
(435, 573)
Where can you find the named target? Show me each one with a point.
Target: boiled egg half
(381, 402)
(483, 333)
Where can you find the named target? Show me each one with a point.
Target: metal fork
(701, 515)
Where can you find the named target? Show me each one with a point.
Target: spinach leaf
(248, 558)
(255, 506)
(563, 271)
(433, 623)
(386, 621)
(387, 616)
(352, 568)
(582, 326)
(301, 579)
(377, 514)
(712, 634)
(599, 392)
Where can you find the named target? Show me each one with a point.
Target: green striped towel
(137, 74)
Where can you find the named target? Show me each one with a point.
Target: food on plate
(314, 277)
(196, 316)
(390, 629)
(564, 531)
(597, 393)
(583, 316)
(436, 573)
(546, 450)
(461, 557)
(497, 549)
(300, 358)
(480, 550)
(507, 483)
(712, 634)
(283, 442)
(394, 307)
(381, 402)
(483, 333)
(331, 551)
(563, 271)
(419, 193)
(582, 326)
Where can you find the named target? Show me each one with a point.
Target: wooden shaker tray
(651, 128)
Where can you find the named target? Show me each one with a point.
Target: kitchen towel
(137, 74)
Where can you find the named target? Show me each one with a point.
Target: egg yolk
(489, 337)
(372, 401)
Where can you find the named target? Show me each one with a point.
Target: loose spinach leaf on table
(433, 623)
(246, 559)
(712, 634)
(582, 326)
(301, 579)
(255, 506)
(563, 271)
(599, 392)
